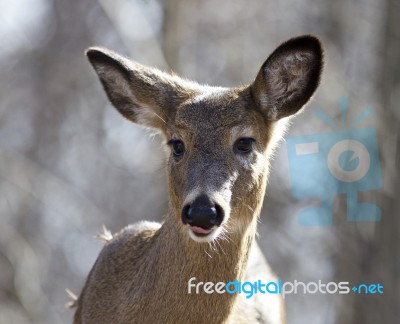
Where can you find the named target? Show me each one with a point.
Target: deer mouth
(200, 231)
(203, 235)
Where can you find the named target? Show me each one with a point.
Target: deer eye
(178, 148)
(243, 145)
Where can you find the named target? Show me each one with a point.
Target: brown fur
(142, 273)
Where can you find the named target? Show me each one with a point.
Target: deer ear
(289, 77)
(144, 95)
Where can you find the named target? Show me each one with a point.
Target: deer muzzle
(202, 215)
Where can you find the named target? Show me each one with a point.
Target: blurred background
(69, 163)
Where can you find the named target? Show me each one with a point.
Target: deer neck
(179, 258)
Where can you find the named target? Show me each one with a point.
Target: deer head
(219, 139)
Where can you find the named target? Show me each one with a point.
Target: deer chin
(202, 235)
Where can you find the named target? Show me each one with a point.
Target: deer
(219, 142)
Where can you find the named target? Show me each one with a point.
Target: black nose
(202, 213)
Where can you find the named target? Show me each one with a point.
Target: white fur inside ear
(115, 78)
(128, 104)
(117, 89)
(286, 78)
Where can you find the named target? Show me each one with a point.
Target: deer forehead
(219, 114)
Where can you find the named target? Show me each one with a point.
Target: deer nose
(202, 212)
